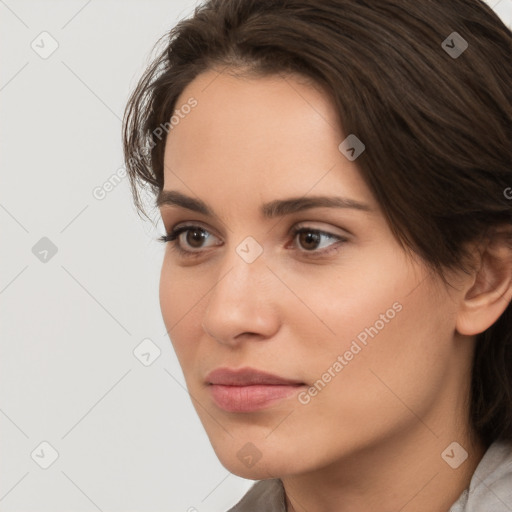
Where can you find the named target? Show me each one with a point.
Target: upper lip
(246, 377)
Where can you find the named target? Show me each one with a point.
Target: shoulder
(491, 485)
(264, 496)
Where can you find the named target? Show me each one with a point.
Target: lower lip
(250, 398)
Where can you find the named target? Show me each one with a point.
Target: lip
(248, 389)
(246, 377)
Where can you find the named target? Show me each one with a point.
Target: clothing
(490, 488)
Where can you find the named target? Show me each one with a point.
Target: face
(354, 326)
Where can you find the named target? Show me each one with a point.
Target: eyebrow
(276, 208)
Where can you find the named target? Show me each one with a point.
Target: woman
(334, 180)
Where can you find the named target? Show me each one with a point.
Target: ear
(488, 290)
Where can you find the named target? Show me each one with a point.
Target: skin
(372, 438)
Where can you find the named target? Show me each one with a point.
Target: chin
(261, 470)
(249, 459)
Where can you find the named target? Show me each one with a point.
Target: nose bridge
(242, 270)
(235, 302)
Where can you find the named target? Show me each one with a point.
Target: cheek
(379, 338)
(395, 350)
(345, 304)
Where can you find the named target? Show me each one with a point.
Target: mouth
(248, 390)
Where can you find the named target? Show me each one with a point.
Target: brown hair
(437, 126)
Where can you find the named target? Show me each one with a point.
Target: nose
(240, 305)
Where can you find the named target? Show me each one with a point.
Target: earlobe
(489, 289)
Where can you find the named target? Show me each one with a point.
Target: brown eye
(309, 239)
(191, 243)
(195, 237)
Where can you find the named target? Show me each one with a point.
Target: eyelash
(173, 238)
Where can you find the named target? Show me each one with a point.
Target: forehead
(272, 135)
(239, 113)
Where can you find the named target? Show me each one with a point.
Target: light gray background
(126, 434)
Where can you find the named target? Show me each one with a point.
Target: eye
(194, 236)
(308, 237)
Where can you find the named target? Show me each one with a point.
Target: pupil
(311, 237)
(197, 236)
